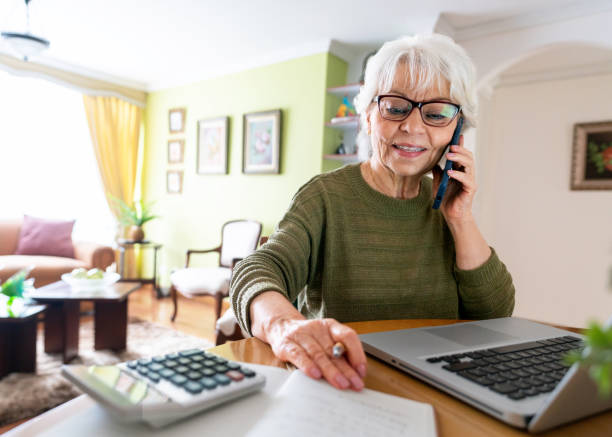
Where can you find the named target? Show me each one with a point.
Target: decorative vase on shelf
(133, 216)
(135, 233)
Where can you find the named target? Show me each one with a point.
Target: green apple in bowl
(95, 274)
(79, 273)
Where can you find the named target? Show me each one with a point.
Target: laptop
(510, 368)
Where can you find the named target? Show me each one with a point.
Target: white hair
(429, 58)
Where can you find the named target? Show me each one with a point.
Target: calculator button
(198, 358)
(181, 369)
(194, 375)
(233, 366)
(222, 379)
(170, 363)
(132, 364)
(247, 372)
(144, 361)
(208, 383)
(235, 375)
(172, 356)
(193, 387)
(158, 359)
(220, 360)
(209, 363)
(143, 370)
(178, 380)
(184, 361)
(221, 369)
(156, 367)
(190, 352)
(153, 376)
(196, 366)
(167, 373)
(208, 372)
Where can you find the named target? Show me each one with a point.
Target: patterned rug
(25, 395)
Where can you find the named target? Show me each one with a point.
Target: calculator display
(134, 390)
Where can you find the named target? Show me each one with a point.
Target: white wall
(556, 243)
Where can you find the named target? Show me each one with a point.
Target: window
(47, 163)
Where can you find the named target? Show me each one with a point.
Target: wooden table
(454, 418)
(18, 339)
(62, 316)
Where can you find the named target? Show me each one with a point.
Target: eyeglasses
(433, 113)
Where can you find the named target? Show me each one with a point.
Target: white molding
(509, 80)
(444, 27)
(343, 51)
(94, 74)
(535, 18)
(306, 49)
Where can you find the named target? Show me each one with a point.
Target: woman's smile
(407, 150)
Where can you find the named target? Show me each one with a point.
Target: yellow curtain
(114, 126)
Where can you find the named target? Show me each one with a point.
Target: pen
(338, 350)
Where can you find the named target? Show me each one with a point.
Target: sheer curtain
(47, 163)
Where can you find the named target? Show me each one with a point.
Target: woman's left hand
(457, 203)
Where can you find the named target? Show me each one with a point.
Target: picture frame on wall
(261, 142)
(176, 120)
(592, 156)
(174, 181)
(212, 146)
(176, 151)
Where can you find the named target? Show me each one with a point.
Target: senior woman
(363, 242)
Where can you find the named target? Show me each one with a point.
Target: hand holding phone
(448, 166)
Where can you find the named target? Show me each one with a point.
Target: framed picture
(212, 146)
(174, 181)
(176, 120)
(592, 156)
(176, 151)
(261, 142)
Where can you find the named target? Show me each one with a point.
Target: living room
(237, 61)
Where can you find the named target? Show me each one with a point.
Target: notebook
(510, 368)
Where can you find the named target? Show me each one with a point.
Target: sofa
(47, 269)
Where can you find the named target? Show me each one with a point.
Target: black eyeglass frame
(418, 105)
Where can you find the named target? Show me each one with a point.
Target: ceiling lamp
(25, 44)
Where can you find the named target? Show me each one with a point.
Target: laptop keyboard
(517, 371)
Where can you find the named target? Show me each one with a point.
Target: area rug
(24, 395)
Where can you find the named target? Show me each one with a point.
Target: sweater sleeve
(485, 292)
(286, 261)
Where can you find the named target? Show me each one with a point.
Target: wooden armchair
(238, 239)
(227, 327)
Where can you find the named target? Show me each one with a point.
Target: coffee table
(18, 339)
(62, 316)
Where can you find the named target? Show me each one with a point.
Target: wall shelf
(350, 157)
(350, 90)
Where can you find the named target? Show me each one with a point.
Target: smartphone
(449, 164)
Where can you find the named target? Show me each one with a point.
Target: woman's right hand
(308, 344)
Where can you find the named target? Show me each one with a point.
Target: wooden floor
(194, 317)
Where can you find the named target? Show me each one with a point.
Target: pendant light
(25, 44)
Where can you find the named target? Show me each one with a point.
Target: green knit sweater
(346, 251)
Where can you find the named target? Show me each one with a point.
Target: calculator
(165, 388)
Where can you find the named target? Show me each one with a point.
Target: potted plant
(597, 356)
(134, 216)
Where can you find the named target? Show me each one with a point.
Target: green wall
(194, 218)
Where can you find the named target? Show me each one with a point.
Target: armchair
(238, 239)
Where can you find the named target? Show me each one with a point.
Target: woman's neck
(383, 180)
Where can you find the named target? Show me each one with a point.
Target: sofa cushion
(45, 237)
(47, 269)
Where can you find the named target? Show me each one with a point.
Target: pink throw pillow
(45, 237)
